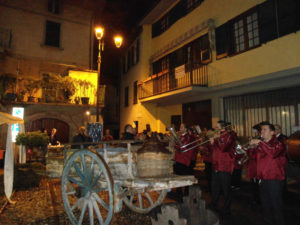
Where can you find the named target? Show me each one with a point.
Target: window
(246, 32)
(161, 65)
(131, 57)
(54, 6)
(135, 92)
(52, 34)
(126, 97)
(201, 53)
(192, 4)
(164, 24)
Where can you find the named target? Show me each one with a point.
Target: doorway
(48, 123)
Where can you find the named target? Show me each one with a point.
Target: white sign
(179, 71)
(17, 112)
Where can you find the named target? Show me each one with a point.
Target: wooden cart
(96, 181)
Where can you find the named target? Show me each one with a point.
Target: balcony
(78, 88)
(179, 78)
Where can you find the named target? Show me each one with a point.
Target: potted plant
(68, 87)
(85, 87)
(35, 142)
(7, 86)
(32, 86)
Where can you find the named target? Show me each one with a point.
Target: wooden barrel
(293, 147)
(153, 159)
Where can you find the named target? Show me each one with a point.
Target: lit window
(246, 34)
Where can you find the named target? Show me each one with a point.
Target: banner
(179, 71)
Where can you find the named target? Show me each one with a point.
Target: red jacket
(271, 160)
(252, 165)
(223, 152)
(185, 157)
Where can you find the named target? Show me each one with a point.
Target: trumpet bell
(239, 150)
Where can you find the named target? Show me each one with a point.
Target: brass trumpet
(242, 150)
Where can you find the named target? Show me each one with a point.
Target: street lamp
(99, 31)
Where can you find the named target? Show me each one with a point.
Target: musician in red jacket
(223, 147)
(271, 162)
(184, 161)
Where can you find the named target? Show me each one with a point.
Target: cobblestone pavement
(38, 201)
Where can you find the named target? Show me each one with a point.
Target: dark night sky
(118, 17)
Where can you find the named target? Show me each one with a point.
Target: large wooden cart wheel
(87, 188)
(144, 202)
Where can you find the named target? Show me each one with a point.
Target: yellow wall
(27, 22)
(220, 11)
(86, 76)
(277, 55)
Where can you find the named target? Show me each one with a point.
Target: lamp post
(99, 31)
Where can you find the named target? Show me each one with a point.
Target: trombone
(172, 130)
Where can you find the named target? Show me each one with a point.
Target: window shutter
(223, 40)
(137, 50)
(267, 21)
(288, 16)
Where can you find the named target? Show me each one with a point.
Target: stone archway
(72, 121)
(48, 124)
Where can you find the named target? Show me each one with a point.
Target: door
(62, 128)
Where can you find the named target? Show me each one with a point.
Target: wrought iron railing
(166, 81)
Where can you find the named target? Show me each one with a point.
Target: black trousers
(271, 199)
(181, 169)
(255, 190)
(208, 172)
(236, 178)
(221, 181)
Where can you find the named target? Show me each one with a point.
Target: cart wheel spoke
(83, 164)
(78, 171)
(99, 200)
(91, 172)
(91, 212)
(96, 179)
(98, 213)
(82, 212)
(149, 198)
(71, 193)
(77, 203)
(73, 180)
(140, 200)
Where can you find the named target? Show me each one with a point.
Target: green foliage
(7, 82)
(58, 82)
(32, 139)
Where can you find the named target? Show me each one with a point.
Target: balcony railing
(166, 81)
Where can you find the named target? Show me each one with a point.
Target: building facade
(201, 61)
(41, 39)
